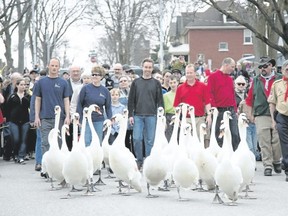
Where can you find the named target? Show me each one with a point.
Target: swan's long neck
(53, 139)
(213, 140)
(75, 133)
(243, 135)
(183, 123)
(57, 120)
(202, 135)
(193, 122)
(122, 132)
(227, 140)
(95, 138)
(82, 133)
(106, 138)
(174, 135)
(63, 135)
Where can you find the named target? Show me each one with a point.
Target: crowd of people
(28, 101)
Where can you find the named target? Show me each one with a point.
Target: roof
(182, 49)
(209, 19)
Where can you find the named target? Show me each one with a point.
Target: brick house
(209, 36)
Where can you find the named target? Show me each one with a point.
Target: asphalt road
(23, 192)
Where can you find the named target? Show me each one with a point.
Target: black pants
(129, 141)
(282, 128)
(69, 139)
(233, 128)
(31, 140)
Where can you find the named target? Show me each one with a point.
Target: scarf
(267, 79)
(286, 93)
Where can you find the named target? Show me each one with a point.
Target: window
(228, 18)
(223, 46)
(247, 36)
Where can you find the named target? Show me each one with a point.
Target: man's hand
(131, 121)
(67, 120)
(37, 122)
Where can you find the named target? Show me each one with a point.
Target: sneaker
(21, 161)
(38, 167)
(286, 173)
(268, 172)
(277, 167)
(26, 158)
(32, 155)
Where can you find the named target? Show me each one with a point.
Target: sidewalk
(24, 193)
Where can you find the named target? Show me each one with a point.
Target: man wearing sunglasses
(258, 111)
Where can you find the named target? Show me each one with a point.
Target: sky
(82, 39)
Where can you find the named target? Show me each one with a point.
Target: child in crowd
(117, 108)
(168, 105)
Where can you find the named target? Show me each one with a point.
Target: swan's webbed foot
(75, 189)
(217, 198)
(165, 186)
(99, 181)
(93, 188)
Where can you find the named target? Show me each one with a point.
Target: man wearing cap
(258, 111)
(278, 101)
(33, 74)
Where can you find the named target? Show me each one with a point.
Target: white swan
(54, 157)
(185, 172)
(107, 126)
(206, 162)
(95, 150)
(243, 157)
(194, 146)
(171, 150)
(214, 148)
(75, 167)
(228, 177)
(155, 165)
(51, 135)
(64, 131)
(121, 160)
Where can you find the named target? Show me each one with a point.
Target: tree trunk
(8, 53)
(21, 46)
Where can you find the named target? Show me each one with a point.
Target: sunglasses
(96, 74)
(241, 84)
(264, 66)
(122, 81)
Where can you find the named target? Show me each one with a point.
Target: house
(209, 37)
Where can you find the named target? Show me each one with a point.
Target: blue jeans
(143, 126)
(19, 134)
(38, 151)
(98, 126)
(252, 140)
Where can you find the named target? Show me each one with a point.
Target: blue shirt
(52, 92)
(99, 95)
(116, 109)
